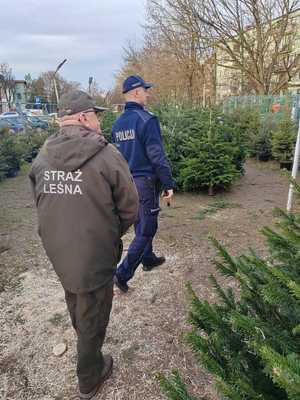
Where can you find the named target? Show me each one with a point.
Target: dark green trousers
(90, 315)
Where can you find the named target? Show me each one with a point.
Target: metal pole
(55, 89)
(293, 110)
(295, 170)
(1, 80)
(60, 65)
(90, 83)
(54, 80)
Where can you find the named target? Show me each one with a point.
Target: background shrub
(17, 148)
(204, 147)
(107, 121)
(284, 139)
(268, 136)
(10, 156)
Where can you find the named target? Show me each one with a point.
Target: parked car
(45, 117)
(33, 112)
(36, 122)
(16, 123)
(9, 114)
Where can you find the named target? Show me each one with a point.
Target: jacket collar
(79, 130)
(133, 105)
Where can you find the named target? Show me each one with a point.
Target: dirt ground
(147, 324)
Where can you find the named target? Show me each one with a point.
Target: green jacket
(86, 200)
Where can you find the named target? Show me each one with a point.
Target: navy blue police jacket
(136, 134)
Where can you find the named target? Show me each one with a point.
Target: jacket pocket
(149, 221)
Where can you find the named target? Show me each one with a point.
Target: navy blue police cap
(135, 81)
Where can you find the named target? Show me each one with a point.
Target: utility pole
(54, 80)
(90, 83)
(1, 80)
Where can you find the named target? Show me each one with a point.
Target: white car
(9, 114)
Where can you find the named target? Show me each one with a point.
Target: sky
(36, 35)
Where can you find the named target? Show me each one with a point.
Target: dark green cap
(76, 101)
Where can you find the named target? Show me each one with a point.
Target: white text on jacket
(62, 182)
(125, 135)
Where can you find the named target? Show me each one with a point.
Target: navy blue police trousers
(140, 249)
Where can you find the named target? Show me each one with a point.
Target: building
(20, 92)
(17, 96)
(229, 79)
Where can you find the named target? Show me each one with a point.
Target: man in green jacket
(86, 200)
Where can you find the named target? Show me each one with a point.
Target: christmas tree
(284, 139)
(250, 339)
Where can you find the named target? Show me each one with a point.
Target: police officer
(137, 135)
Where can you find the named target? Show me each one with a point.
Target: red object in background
(275, 107)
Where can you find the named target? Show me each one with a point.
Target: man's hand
(167, 196)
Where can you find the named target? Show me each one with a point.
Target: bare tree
(170, 26)
(44, 84)
(132, 55)
(173, 57)
(7, 83)
(256, 38)
(155, 64)
(97, 93)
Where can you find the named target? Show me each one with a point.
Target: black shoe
(121, 285)
(155, 263)
(105, 374)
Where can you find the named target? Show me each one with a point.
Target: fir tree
(9, 156)
(204, 147)
(173, 387)
(212, 157)
(250, 340)
(107, 122)
(284, 139)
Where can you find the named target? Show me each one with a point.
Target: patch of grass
(129, 355)
(58, 319)
(213, 208)
(20, 320)
(10, 280)
(11, 219)
(24, 170)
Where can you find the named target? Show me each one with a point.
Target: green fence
(265, 104)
